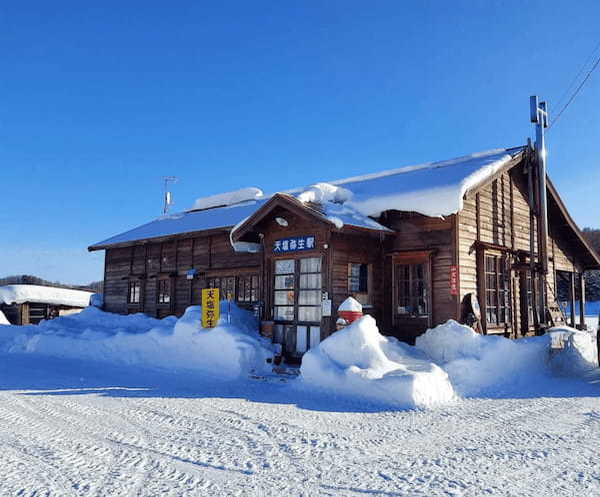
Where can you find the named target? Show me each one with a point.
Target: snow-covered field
(71, 428)
(80, 427)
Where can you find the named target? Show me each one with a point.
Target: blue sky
(99, 102)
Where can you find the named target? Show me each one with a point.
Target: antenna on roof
(168, 198)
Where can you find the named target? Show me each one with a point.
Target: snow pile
(359, 362)
(3, 319)
(334, 201)
(351, 305)
(478, 364)
(579, 353)
(97, 300)
(18, 294)
(229, 350)
(320, 193)
(228, 198)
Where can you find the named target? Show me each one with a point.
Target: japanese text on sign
(294, 244)
(210, 307)
(453, 280)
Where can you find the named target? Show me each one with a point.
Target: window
(412, 287)
(284, 300)
(226, 286)
(297, 290)
(309, 294)
(358, 282)
(357, 278)
(167, 255)
(529, 288)
(248, 288)
(133, 295)
(164, 291)
(496, 291)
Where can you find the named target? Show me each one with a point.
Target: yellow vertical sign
(210, 307)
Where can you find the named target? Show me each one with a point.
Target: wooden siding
(499, 215)
(209, 255)
(417, 232)
(347, 249)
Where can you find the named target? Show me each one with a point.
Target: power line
(576, 78)
(575, 93)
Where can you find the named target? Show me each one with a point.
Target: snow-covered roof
(432, 189)
(18, 294)
(186, 222)
(228, 198)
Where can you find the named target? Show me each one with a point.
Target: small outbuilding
(30, 304)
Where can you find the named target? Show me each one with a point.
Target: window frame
(160, 300)
(134, 283)
(297, 289)
(248, 294)
(363, 294)
(417, 289)
(495, 280)
(293, 290)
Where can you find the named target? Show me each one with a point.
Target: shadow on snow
(37, 375)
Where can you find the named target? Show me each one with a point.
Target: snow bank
(579, 354)
(359, 362)
(17, 294)
(3, 319)
(478, 364)
(228, 198)
(229, 350)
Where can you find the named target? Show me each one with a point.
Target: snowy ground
(66, 431)
(76, 427)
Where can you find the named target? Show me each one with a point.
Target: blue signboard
(294, 244)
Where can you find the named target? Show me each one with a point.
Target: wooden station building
(416, 246)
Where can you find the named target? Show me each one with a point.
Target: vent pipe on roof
(539, 116)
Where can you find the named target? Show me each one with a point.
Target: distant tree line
(27, 279)
(592, 284)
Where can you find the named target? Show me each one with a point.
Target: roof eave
(563, 209)
(158, 239)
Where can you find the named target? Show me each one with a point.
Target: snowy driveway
(70, 428)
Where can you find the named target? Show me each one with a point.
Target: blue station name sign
(294, 244)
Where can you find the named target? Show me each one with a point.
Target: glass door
(297, 303)
(412, 303)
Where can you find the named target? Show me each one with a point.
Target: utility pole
(539, 116)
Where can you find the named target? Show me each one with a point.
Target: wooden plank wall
(417, 232)
(209, 255)
(359, 250)
(499, 214)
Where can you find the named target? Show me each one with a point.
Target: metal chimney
(539, 116)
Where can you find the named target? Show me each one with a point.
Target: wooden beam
(572, 297)
(581, 302)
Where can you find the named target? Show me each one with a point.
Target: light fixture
(281, 221)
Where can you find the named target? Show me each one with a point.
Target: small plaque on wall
(326, 308)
